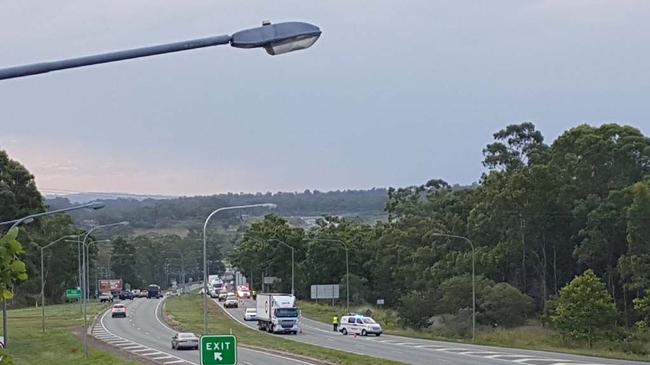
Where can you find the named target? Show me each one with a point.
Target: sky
(394, 93)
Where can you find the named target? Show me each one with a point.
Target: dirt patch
(99, 345)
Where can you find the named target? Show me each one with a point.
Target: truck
(113, 286)
(277, 313)
(153, 291)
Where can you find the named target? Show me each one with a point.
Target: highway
(425, 352)
(144, 334)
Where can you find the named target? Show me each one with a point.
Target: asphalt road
(425, 352)
(144, 334)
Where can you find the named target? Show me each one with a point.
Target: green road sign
(218, 350)
(73, 293)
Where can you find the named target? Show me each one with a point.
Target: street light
(43, 276)
(85, 275)
(28, 219)
(274, 38)
(471, 244)
(205, 255)
(347, 267)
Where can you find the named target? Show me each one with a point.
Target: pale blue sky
(394, 93)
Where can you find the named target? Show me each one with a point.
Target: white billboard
(330, 291)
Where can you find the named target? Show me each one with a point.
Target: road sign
(325, 291)
(73, 293)
(271, 280)
(380, 302)
(218, 350)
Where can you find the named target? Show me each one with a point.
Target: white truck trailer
(277, 313)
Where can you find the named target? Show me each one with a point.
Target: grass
(531, 337)
(185, 312)
(58, 346)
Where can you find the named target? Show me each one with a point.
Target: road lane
(143, 333)
(425, 352)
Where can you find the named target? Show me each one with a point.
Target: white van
(358, 324)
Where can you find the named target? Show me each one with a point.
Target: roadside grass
(186, 313)
(58, 345)
(530, 337)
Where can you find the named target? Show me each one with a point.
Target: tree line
(541, 215)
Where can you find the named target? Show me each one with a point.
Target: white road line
(152, 353)
(162, 357)
(175, 362)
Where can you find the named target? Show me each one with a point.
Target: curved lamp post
(274, 38)
(471, 244)
(28, 219)
(84, 275)
(347, 268)
(205, 254)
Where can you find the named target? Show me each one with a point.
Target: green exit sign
(73, 293)
(218, 350)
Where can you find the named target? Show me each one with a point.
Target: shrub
(505, 305)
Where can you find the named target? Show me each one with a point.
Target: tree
(12, 269)
(18, 194)
(584, 309)
(123, 261)
(523, 145)
(505, 305)
(642, 307)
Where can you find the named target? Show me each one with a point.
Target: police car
(358, 324)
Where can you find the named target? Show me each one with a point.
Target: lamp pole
(205, 255)
(471, 244)
(43, 277)
(15, 223)
(347, 268)
(274, 38)
(84, 264)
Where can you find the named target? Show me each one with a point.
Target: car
(136, 293)
(214, 293)
(143, 293)
(118, 310)
(223, 294)
(358, 324)
(231, 302)
(106, 297)
(126, 295)
(185, 340)
(250, 314)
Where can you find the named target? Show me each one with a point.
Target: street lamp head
(27, 221)
(269, 205)
(96, 205)
(278, 38)
(124, 223)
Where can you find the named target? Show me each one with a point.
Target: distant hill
(92, 196)
(171, 212)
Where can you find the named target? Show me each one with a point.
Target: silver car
(185, 340)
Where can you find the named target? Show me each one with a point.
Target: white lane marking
(162, 357)
(175, 362)
(152, 353)
(141, 350)
(132, 347)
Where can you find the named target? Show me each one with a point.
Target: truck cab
(277, 313)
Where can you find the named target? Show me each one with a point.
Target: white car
(250, 314)
(360, 325)
(118, 310)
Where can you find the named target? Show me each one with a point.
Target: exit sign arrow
(217, 356)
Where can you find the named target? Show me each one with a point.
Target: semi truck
(277, 313)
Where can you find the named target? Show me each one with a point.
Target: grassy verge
(533, 337)
(186, 313)
(58, 346)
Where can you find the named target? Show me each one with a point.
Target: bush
(504, 305)
(415, 309)
(453, 325)
(457, 292)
